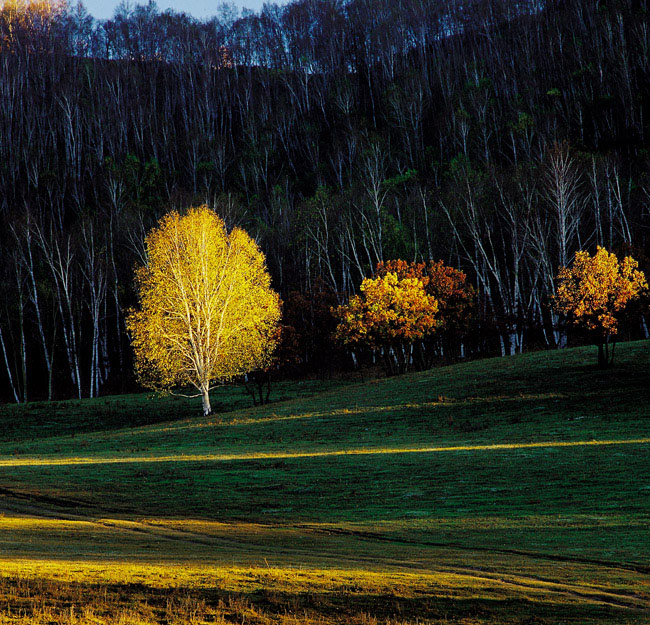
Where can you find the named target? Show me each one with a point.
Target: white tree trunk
(205, 399)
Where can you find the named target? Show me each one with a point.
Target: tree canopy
(594, 293)
(207, 310)
(391, 313)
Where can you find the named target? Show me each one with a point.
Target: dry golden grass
(51, 591)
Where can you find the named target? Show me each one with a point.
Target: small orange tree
(593, 294)
(207, 310)
(390, 314)
(455, 297)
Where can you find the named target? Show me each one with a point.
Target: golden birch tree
(207, 311)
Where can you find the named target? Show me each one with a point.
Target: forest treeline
(499, 137)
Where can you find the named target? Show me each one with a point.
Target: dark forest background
(497, 136)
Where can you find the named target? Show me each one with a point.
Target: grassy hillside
(500, 491)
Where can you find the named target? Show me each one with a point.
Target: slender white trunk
(512, 342)
(95, 275)
(35, 301)
(558, 334)
(21, 328)
(644, 325)
(205, 399)
(14, 389)
(59, 258)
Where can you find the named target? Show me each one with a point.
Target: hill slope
(491, 491)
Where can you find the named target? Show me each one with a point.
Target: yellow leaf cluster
(17, 8)
(595, 289)
(207, 310)
(32, 15)
(389, 309)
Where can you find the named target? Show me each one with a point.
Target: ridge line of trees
(498, 137)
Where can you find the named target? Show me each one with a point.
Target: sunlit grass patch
(294, 580)
(102, 460)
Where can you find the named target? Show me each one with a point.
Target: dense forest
(499, 137)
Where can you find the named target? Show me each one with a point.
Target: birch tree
(207, 310)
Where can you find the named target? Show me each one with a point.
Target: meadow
(497, 491)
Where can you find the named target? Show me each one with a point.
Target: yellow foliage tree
(455, 297)
(207, 310)
(594, 292)
(34, 18)
(391, 313)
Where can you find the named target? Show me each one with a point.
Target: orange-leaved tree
(455, 297)
(390, 314)
(207, 311)
(594, 293)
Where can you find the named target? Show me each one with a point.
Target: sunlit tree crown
(207, 308)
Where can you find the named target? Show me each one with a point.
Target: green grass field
(499, 491)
